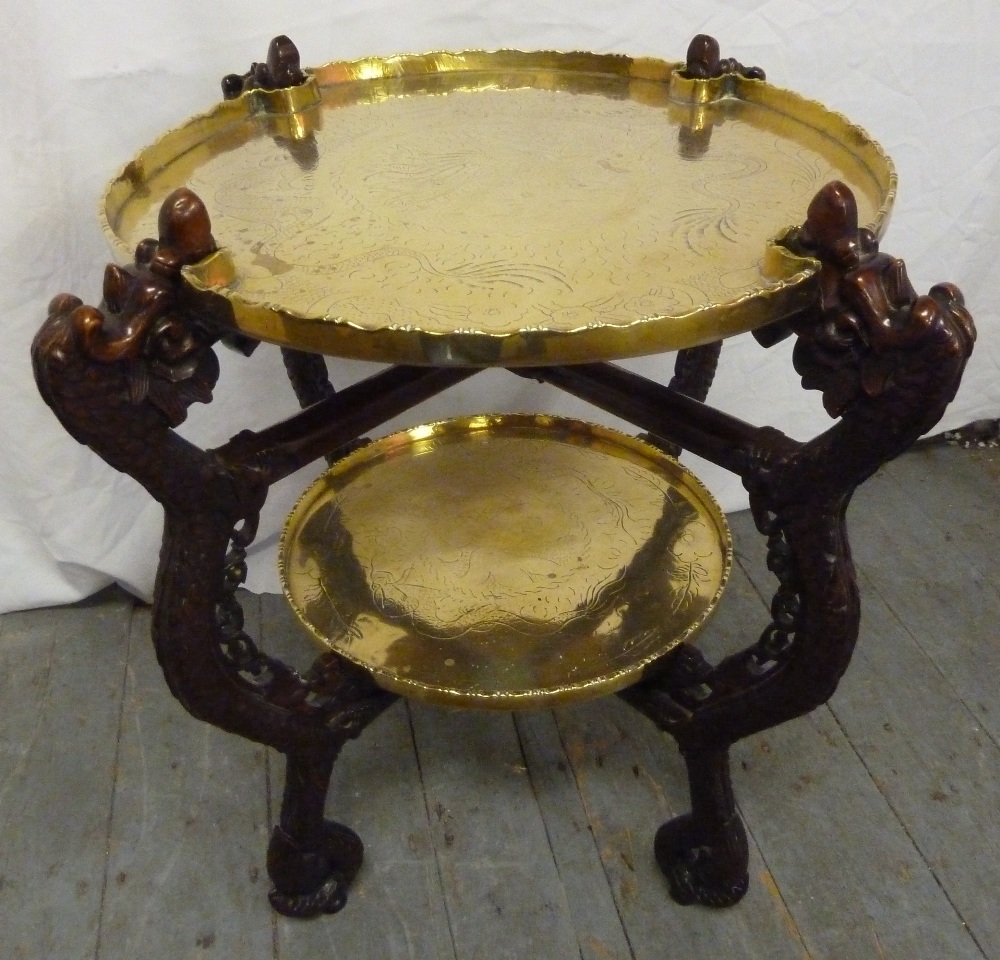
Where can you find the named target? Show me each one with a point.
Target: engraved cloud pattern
(496, 210)
(504, 557)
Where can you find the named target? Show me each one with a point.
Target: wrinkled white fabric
(87, 85)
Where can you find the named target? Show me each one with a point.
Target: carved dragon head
(140, 347)
(871, 333)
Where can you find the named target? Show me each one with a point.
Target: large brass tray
(504, 208)
(505, 561)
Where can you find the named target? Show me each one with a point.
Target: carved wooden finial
(185, 226)
(185, 235)
(832, 215)
(281, 69)
(831, 230)
(704, 61)
(703, 58)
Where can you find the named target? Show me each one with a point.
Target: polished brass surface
(504, 208)
(505, 561)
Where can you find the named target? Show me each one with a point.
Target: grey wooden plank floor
(127, 829)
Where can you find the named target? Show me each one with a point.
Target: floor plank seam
(788, 917)
(738, 559)
(129, 624)
(607, 877)
(906, 830)
(871, 586)
(269, 807)
(269, 779)
(25, 757)
(430, 832)
(534, 793)
(946, 528)
(548, 836)
(892, 872)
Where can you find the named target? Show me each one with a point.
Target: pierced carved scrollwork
(672, 686)
(778, 638)
(704, 61)
(887, 362)
(236, 644)
(282, 68)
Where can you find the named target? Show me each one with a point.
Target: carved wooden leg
(308, 375)
(887, 362)
(694, 371)
(793, 667)
(310, 380)
(217, 672)
(310, 860)
(704, 853)
(120, 379)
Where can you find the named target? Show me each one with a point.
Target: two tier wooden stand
(545, 213)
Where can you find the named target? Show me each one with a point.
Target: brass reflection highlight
(505, 561)
(505, 208)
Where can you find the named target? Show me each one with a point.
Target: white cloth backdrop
(87, 85)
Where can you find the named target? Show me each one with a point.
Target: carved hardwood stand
(120, 380)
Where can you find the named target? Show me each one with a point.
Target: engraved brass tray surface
(505, 561)
(504, 208)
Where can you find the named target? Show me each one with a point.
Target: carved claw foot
(313, 880)
(708, 867)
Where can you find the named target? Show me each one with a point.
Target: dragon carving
(120, 379)
(887, 362)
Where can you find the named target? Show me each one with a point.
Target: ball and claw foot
(309, 881)
(702, 866)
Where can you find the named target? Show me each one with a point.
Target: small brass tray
(505, 561)
(504, 208)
